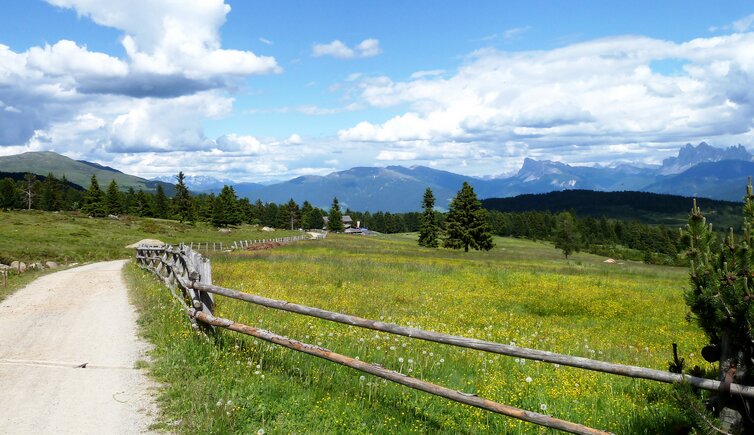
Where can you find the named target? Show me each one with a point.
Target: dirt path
(56, 323)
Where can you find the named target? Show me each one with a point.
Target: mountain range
(76, 171)
(698, 170)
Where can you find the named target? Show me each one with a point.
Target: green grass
(36, 236)
(520, 292)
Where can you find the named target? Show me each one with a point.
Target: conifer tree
(129, 201)
(94, 200)
(182, 203)
(721, 299)
(316, 218)
(294, 214)
(466, 224)
(51, 198)
(567, 237)
(429, 231)
(335, 217)
(306, 211)
(143, 204)
(113, 200)
(225, 210)
(8, 194)
(160, 204)
(30, 181)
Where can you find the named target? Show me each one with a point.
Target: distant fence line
(236, 244)
(175, 266)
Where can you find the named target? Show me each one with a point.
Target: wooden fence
(240, 244)
(183, 269)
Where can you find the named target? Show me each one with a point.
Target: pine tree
(8, 194)
(316, 218)
(306, 212)
(226, 211)
(429, 231)
(129, 201)
(334, 218)
(182, 203)
(160, 204)
(113, 200)
(466, 224)
(51, 198)
(567, 237)
(143, 204)
(94, 200)
(720, 298)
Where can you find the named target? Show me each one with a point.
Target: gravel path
(56, 323)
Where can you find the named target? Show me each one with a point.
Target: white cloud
(265, 41)
(571, 100)
(337, 49)
(744, 24)
(169, 37)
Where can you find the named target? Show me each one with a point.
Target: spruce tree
(466, 224)
(182, 203)
(306, 211)
(143, 204)
(226, 211)
(160, 204)
(129, 201)
(113, 200)
(8, 194)
(52, 194)
(334, 218)
(316, 218)
(294, 214)
(429, 231)
(94, 200)
(567, 237)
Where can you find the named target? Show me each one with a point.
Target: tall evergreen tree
(51, 198)
(567, 237)
(429, 231)
(334, 218)
(182, 203)
(306, 212)
(143, 204)
(113, 199)
(94, 200)
(129, 202)
(226, 211)
(160, 204)
(8, 194)
(316, 219)
(466, 225)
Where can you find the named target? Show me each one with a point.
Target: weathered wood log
(391, 375)
(488, 346)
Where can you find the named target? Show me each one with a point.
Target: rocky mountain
(76, 171)
(690, 156)
(701, 170)
(725, 179)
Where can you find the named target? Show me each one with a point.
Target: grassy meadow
(36, 236)
(521, 292)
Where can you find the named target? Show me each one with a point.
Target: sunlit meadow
(521, 293)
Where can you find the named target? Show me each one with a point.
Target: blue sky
(260, 91)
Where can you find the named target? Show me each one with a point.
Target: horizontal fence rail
(179, 272)
(473, 343)
(397, 377)
(242, 244)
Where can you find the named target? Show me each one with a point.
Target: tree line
(651, 243)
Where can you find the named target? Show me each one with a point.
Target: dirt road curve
(58, 322)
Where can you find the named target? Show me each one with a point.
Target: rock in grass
(51, 264)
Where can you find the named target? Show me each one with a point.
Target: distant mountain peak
(690, 155)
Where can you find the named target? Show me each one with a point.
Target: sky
(264, 91)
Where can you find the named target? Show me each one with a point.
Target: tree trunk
(733, 409)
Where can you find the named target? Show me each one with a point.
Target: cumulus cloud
(337, 49)
(174, 76)
(570, 100)
(173, 38)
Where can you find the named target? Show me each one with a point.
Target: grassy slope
(522, 292)
(35, 236)
(43, 163)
